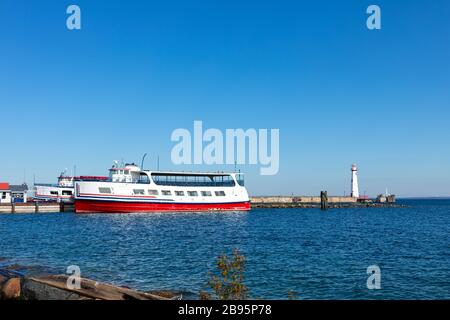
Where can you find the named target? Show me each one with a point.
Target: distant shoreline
(423, 198)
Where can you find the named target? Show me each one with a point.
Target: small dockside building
(5, 192)
(13, 193)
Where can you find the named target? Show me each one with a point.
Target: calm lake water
(317, 255)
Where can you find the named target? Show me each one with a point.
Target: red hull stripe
(96, 206)
(52, 196)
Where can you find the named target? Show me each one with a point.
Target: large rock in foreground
(54, 287)
(11, 289)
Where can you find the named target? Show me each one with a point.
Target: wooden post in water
(323, 200)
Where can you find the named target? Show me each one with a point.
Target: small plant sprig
(228, 281)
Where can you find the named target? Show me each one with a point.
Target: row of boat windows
(126, 172)
(141, 192)
(188, 180)
(64, 193)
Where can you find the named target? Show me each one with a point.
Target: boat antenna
(157, 164)
(235, 163)
(142, 162)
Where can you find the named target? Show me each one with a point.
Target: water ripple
(317, 255)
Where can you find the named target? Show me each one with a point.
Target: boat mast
(142, 162)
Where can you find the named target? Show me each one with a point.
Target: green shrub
(227, 283)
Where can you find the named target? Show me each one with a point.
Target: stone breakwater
(300, 199)
(330, 206)
(315, 202)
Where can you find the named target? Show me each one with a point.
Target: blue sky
(137, 70)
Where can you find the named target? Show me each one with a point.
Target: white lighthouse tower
(355, 190)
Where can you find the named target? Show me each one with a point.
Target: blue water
(315, 254)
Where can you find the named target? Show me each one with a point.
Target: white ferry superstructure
(130, 189)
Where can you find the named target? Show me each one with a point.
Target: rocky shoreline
(16, 285)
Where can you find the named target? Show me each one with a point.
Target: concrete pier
(48, 207)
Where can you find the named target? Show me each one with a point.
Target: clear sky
(137, 70)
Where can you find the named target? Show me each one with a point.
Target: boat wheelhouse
(129, 189)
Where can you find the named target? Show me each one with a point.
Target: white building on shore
(19, 193)
(5, 193)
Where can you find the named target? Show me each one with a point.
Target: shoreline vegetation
(227, 282)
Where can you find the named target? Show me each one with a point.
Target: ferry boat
(59, 192)
(130, 189)
(63, 190)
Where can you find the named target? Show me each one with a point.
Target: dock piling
(323, 200)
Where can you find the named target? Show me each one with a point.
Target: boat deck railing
(195, 184)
